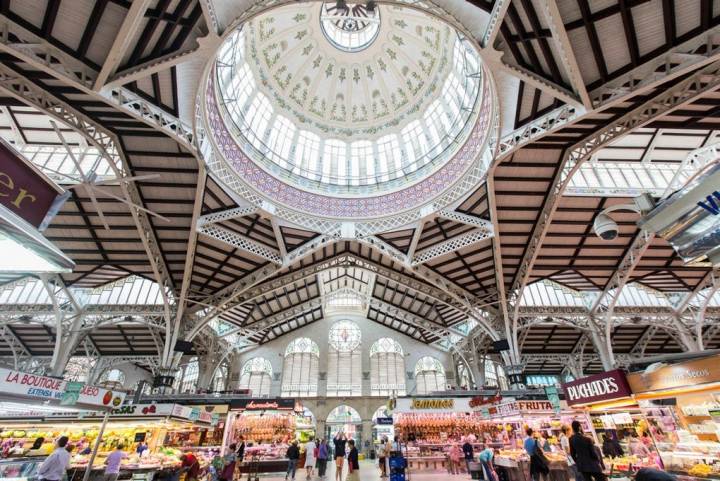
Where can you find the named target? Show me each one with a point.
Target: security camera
(605, 227)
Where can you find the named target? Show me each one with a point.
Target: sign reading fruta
(606, 386)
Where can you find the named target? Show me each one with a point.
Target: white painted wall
(274, 350)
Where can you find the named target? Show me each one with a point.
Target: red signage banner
(606, 386)
(24, 190)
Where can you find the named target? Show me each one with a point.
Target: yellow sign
(432, 404)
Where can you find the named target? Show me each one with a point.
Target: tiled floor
(369, 471)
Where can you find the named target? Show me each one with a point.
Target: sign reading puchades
(603, 387)
(276, 404)
(24, 190)
(43, 388)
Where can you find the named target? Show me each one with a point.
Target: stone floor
(369, 471)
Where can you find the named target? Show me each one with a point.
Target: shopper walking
(310, 455)
(323, 451)
(382, 456)
(55, 465)
(585, 455)
(454, 456)
(241, 449)
(339, 443)
(353, 463)
(229, 463)
(469, 454)
(293, 455)
(565, 446)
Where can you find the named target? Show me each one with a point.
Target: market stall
(617, 421)
(546, 418)
(681, 403)
(430, 426)
(167, 430)
(24, 392)
(267, 426)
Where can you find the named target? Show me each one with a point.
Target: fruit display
(701, 469)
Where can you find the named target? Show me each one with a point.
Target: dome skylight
(350, 29)
(314, 108)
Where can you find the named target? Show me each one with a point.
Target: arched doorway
(382, 424)
(344, 418)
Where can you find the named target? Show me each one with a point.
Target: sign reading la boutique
(460, 405)
(606, 386)
(42, 387)
(691, 373)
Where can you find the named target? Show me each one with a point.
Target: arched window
(381, 412)
(387, 368)
(495, 375)
(78, 369)
(256, 375)
(300, 368)
(464, 376)
(344, 376)
(429, 375)
(113, 377)
(220, 378)
(187, 378)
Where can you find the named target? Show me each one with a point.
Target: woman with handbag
(539, 466)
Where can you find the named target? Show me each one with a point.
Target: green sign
(215, 419)
(552, 394)
(194, 414)
(71, 394)
(485, 412)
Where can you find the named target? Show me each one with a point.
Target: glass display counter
(19, 469)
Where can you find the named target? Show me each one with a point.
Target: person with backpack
(539, 466)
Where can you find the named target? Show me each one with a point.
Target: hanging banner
(690, 373)
(23, 189)
(606, 386)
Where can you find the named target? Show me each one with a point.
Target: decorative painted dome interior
(348, 104)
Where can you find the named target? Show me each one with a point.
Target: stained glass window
(429, 376)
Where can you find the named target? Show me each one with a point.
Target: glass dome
(355, 113)
(351, 28)
(347, 122)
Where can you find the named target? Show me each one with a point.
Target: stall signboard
(433, 405)
(606, 386)
(23, 189)
(194, 414)
(521, 407)
(384, 421)
(276, 404)
(479, 401)
(34, 386)
(552, 394)
(690, 373)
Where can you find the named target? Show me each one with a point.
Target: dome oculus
(350, 28)
(343, 133)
